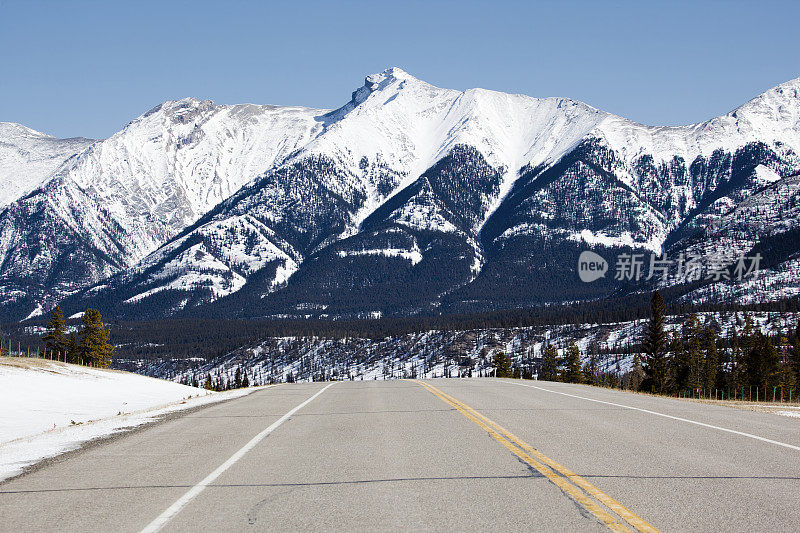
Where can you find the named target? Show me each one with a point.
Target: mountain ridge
(303, 183)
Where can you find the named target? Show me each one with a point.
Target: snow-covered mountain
(120, 199)
(409, 198)
(28, 157)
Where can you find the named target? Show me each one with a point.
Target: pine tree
(682, 356)
(794, 360)
(237, 380)
(693, 356)
(549, 370)
(761, 362)
(245, 381)
(56, 338)
(636, 376)
(94, 347)
(655, 364)
(712, 370)
(736, 375)
(590, 371)
(771, 362)
(503, 365)
(208, 385)
(572, 365)
(678, 365)
(74, 351)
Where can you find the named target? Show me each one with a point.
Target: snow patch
(50, 408)
(411, 255)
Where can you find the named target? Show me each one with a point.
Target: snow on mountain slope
(121, 198)
(394, 128)
(407, 125)
(177, 161)
(489, 190)
(28, 157)
(766, 223)
(772, 117)
(51, 407)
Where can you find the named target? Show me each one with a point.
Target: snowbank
(48, 408)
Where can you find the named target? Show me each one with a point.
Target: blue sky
(88, 68)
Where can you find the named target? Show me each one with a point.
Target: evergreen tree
(712, 370)
(762, 362)
(572, 365)
(245, 381)
(237, 379)
(678, 364)
(686, 357)
(693, 357)
(590, 371)
(503, 365)
(94, 347)
(74, 351)
(636, 377)
(736, 375)
(56, 338)
(655, 348)
(794, 359)
(549, 370)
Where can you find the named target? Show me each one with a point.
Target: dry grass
(759, 407)
(39, 363)
(28, 362)
(767, 407)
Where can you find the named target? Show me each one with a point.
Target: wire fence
(775, 394)
(43, 353)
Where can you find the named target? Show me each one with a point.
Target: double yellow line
(572, 484)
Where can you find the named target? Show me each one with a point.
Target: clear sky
(88, 68)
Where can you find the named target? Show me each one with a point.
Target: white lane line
(176, 507)
(742, 433)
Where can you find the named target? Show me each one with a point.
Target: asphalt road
(477, 454)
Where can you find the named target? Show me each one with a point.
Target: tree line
(696, 360)
(219, 382)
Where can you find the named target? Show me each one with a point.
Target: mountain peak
(379, 81)
(390, 74)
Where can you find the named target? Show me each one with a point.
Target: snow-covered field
(47, 408)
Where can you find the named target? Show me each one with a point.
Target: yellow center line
(612, 504)
(519, 448)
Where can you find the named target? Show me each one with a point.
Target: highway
(443, 455)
